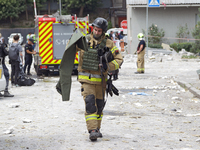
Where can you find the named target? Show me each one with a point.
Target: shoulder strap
(103, 43)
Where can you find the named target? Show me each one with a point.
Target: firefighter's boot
(93, 135)
(99, 133)
(7, 94)
(1, 95)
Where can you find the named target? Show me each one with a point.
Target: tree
(182, 32)
(196, 34)
(11, 9)
(74, 6)
(40, 4)
(155, 35)
(28, 3)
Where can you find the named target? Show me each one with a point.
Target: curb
(189, 87)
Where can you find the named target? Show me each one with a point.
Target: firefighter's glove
(108, 57)
(104, 65)
(109, 87)
(114, 74)
(115, 90)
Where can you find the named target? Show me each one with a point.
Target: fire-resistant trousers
(93, 97)
(140, 62)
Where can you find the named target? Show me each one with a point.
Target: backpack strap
(103, 43)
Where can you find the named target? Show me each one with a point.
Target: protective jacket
(94, 77)
(78, 43)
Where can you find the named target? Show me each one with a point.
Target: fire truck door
(61, 35)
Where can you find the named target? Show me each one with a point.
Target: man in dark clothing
(111, 35)
(28, 55)
(121, 35)
(3, 54)
(15, 63)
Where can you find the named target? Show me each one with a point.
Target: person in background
(28, 37)
(116, 36)
(141, 53)
(34, 40)
(112, 37)
(121, 35)
(15, 51)
(3, 54)
(28, 55)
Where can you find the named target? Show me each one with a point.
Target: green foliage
(179, 46)
(78, 6)
(182, 32)
(109, 24)
(196, 35)
(11, 8)
(154, 45)
(40, 3)
(190, 57)
(156, 33)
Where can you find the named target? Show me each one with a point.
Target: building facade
(117, 12)
(169, 16)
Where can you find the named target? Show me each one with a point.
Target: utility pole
(147, 13)
(35, 8)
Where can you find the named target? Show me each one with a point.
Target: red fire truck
(52, 34)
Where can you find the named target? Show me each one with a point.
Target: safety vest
(91, 59)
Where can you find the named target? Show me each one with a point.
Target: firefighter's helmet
(107, 35)
(140, 36)
(100, 23)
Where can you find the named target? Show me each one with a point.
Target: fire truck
(52, 34)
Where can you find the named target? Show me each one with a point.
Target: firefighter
(93, 68)
(141, 53)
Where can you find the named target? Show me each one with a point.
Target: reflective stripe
(91, 117)
(113, 49)
(89, 75)
(116, 64)
(140, 69)
(89, 79)
(100, 118)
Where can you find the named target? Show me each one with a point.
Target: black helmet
(100, 23)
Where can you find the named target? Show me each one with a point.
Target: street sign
(154, 3)
(124, 24)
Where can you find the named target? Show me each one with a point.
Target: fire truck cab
(52, 35)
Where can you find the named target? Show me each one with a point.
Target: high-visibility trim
(82, 25)
(116, 64)
(46, 46)
(113, 49)
(91, 117)
(46, 43)
(140, 69)
(76, 59)
(89, 79)
(89, 75)
(100, 118)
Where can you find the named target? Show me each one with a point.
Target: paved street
(152, 112)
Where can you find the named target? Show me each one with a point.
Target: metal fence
(24, 31)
